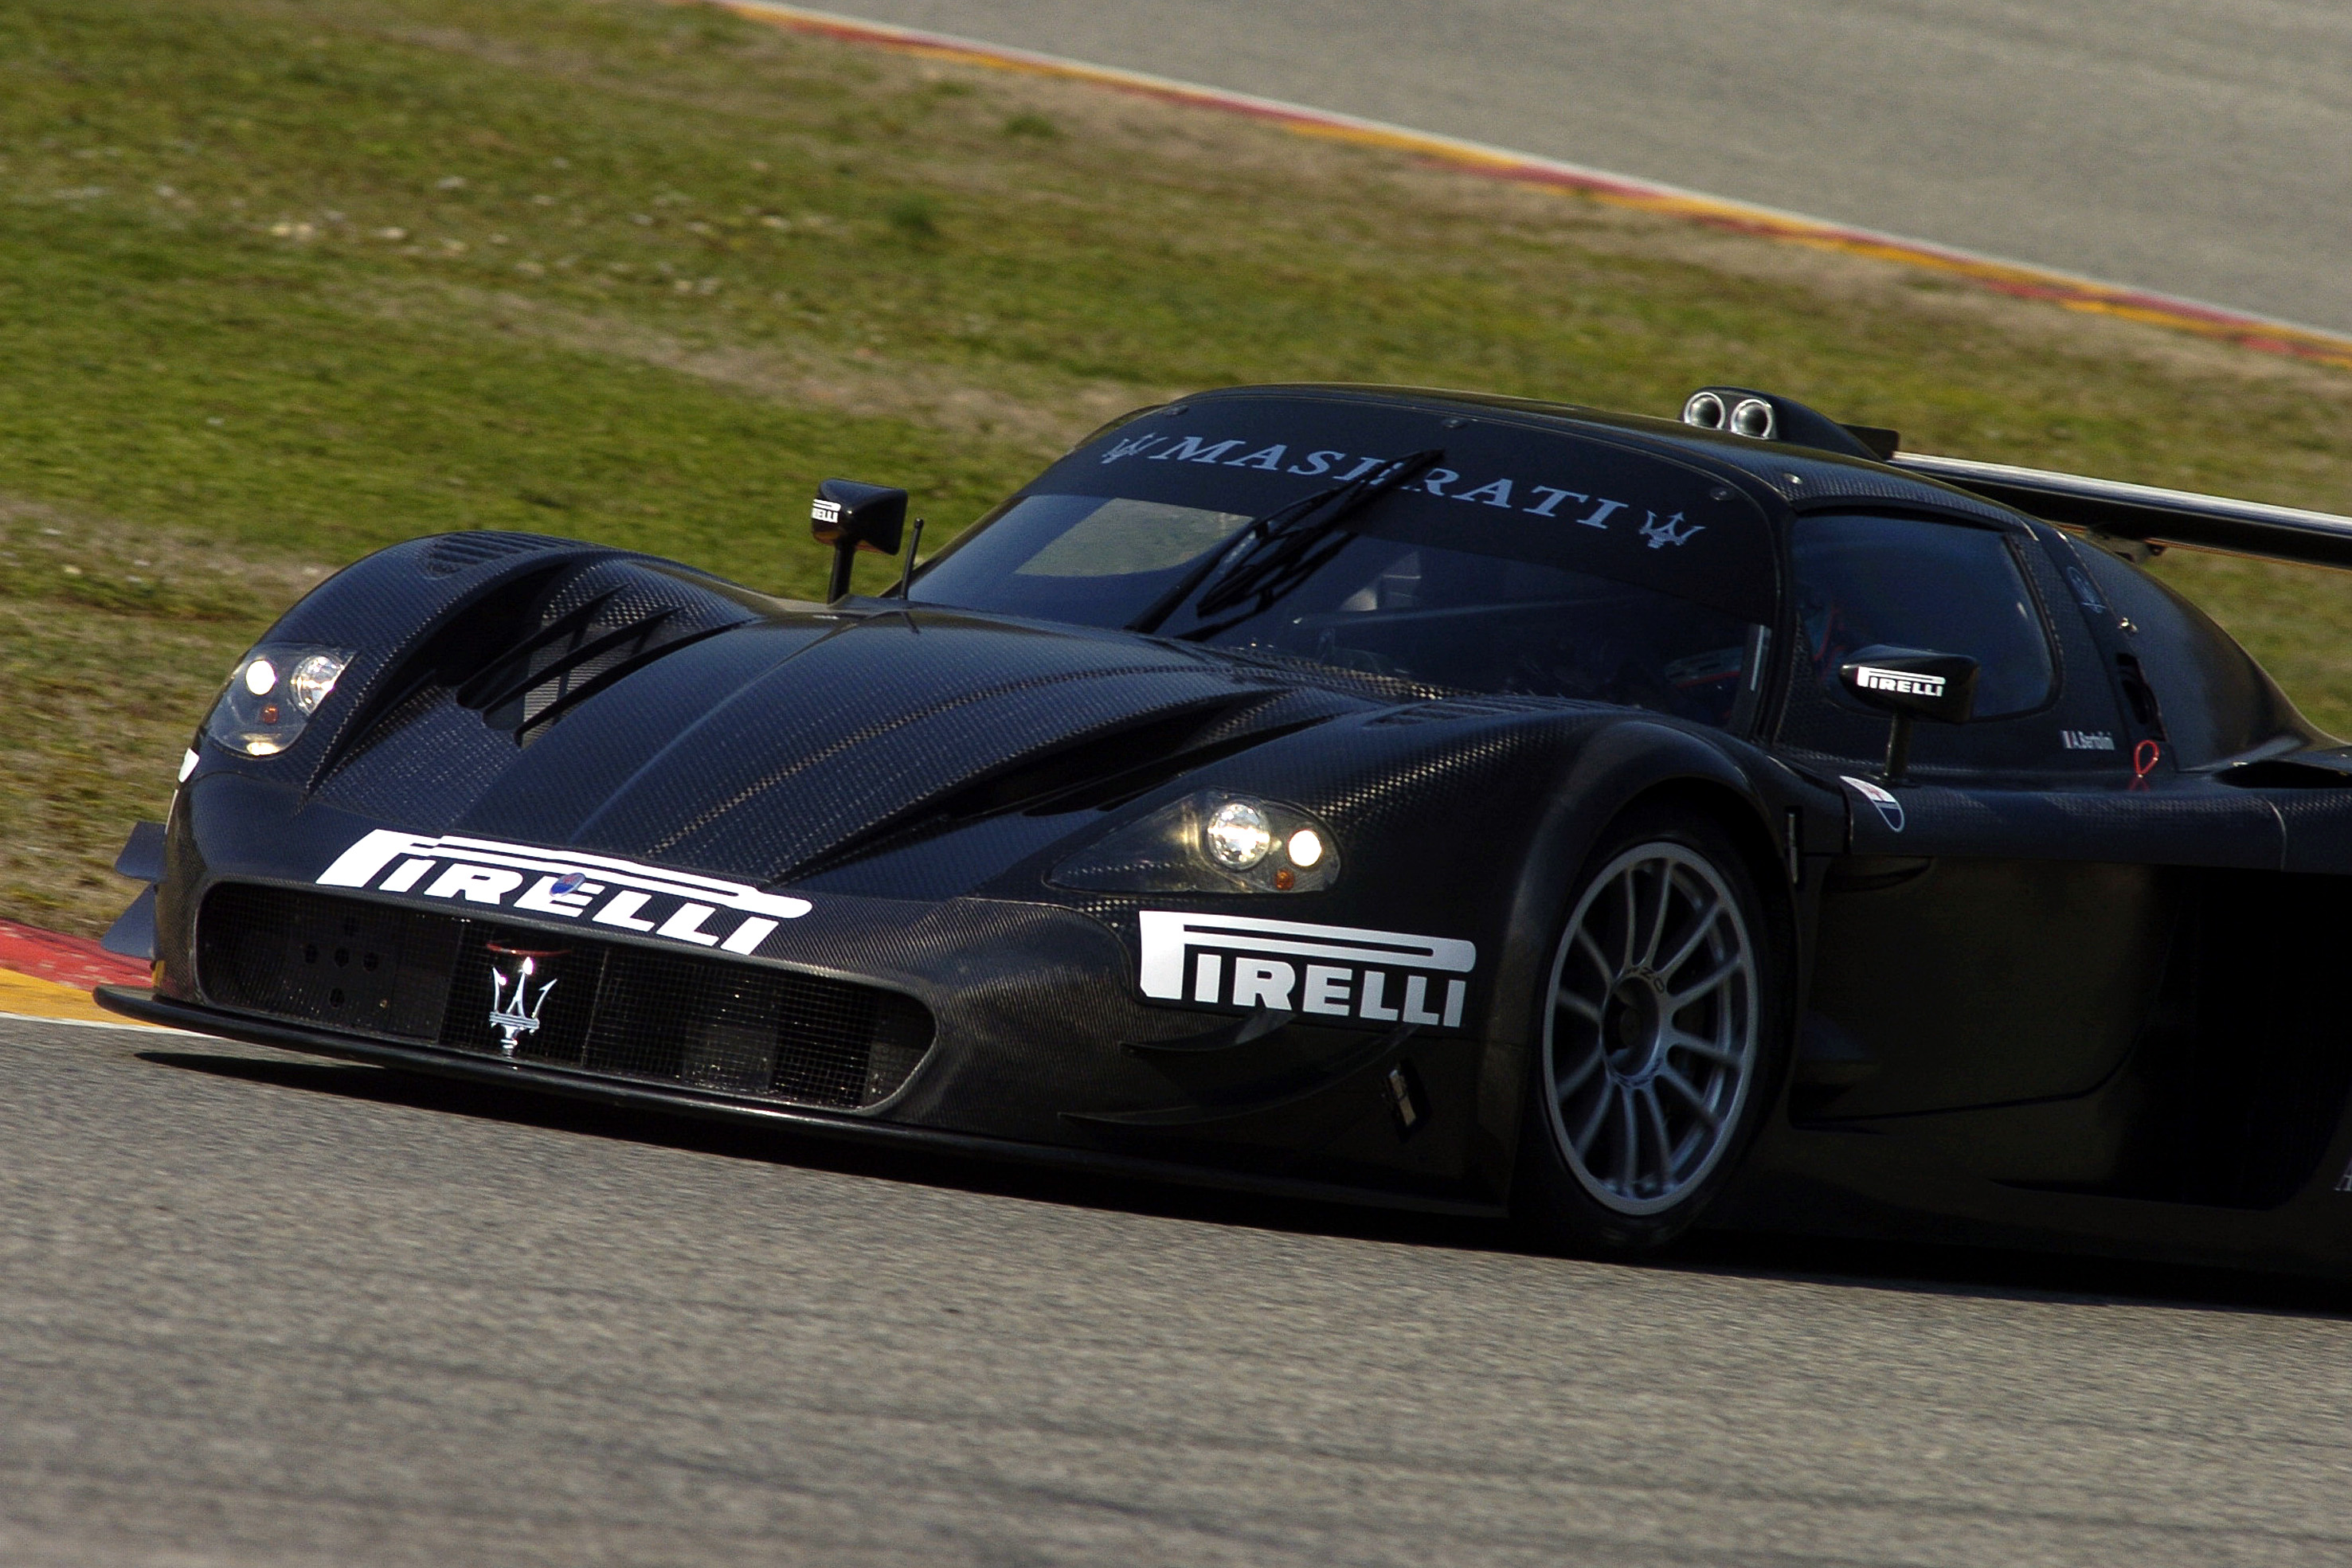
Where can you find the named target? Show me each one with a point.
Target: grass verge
(281, 282)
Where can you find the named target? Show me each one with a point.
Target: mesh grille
(425, 977)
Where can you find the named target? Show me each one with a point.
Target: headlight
(271, 698)
(1237, 837)
(1210, 842)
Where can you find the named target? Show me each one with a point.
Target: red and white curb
(46, 975)
(2022, 279)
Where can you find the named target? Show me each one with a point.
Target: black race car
(1453, 801)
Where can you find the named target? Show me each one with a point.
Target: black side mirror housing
(851, 517)
(1911, 683)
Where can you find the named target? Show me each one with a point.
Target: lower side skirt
(138, 1002)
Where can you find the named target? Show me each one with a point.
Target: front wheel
(1658, 1037)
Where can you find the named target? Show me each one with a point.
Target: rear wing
(2145, 515)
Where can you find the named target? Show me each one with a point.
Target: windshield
(1388, 600)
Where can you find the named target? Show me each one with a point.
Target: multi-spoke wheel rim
(1650, 1039)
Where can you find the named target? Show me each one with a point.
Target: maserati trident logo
(1673, 531)
(515, 1005)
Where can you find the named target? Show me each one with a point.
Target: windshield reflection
(1396, 606)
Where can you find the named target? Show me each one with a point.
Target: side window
(1911, 583)
(1914, 584)
(2212, 701)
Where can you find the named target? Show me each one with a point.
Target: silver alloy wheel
(1649, 1042)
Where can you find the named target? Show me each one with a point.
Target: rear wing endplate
(2144, 514)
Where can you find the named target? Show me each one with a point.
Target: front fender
(1614, 769)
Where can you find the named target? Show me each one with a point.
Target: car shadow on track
(1910, 1267)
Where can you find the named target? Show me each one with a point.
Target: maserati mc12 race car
(1455, 801)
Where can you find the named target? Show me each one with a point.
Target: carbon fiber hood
(780, 742)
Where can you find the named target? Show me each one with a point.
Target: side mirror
(1911, 683)
(851, 517)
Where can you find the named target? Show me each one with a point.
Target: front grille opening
(422, 977)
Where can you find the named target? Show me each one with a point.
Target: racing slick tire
(1659, 1038)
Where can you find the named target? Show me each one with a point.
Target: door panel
(1978, 982)
(2000, 930)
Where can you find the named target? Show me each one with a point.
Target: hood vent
(453, 553)
(496, 674)
(596, 629)
(1096, 771)
(564, 663)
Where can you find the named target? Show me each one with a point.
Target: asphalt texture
(259, 1309)
(2196, 147)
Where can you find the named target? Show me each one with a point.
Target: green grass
(284, 282)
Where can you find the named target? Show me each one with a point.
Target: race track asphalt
(257, 1309)
(2197, 147)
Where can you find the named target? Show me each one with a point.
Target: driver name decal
(1506, 494)
(1286, 965)
(641, 900)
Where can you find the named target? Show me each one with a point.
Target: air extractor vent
(453, 553)
(600, 626)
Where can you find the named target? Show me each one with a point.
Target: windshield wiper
(1271, 555)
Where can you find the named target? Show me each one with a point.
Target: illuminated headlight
(1213, 842)
(271, 695)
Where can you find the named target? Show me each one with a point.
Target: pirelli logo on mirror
(1903, 682)
(1286, 965)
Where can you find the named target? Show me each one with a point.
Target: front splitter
(142, 1004)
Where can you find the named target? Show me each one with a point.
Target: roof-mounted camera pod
(1727, 410)
(851, 517)
(1766, 416)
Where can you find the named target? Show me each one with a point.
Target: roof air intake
(1763, 416)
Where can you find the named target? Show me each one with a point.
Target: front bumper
(141, 1003)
